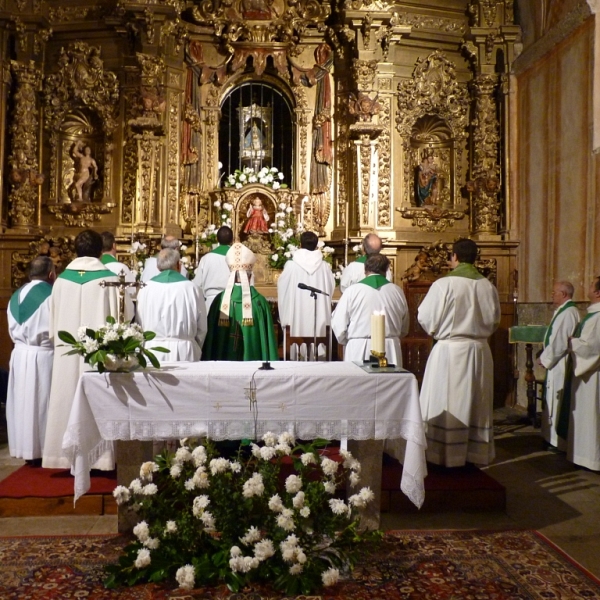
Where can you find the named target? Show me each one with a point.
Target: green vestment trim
(222, 249)
(21, 311)
(564, 403)
(169, 276)
(564, 307)
(237, 342)
(361, 259)
(466, 270)
(107, 258)
(82, 277)
(374, 281)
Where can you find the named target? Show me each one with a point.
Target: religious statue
(254, 139)
(257, 217)
(421, 269)
(427, 180)
(86, 172)
(257, 9)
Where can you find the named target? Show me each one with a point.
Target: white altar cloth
(331, 400)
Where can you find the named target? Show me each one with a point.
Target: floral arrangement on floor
(116, 346)
(271, 177)
(205, 519)
(208, 237)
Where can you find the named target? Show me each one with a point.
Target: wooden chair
(289, 341)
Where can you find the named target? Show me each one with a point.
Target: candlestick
(378, 332)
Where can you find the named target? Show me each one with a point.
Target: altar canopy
(310, 400)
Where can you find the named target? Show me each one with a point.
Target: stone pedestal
(370, 455)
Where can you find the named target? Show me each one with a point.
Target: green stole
(374, 281)
(237, 342)
(107, 258)
(564, 409)
(82, 277)
(466, 270)
(21, 311)
(361, 259)
(169, 276)
(564, 307)
(221, 249)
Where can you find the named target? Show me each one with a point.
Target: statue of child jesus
(257, 218)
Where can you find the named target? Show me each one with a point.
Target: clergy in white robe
(30, 362)
(77, 299)
(173, 308)
(351, 319)
(212, 273)
(583, 440)
(355, 271)
(554, 358)
(109, 260)
(460, 311)
(297, 306)
(150, 264)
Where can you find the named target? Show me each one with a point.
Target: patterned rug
(408, 565)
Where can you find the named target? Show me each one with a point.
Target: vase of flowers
(205, 519)
(269, 176)
(208, 237)
(116, 347)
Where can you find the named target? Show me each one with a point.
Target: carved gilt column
(23, 174)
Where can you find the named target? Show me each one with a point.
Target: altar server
(173, 307)
(150, 264)
(240, 325)
(212, 274)
(460, 311)
(297, 306)
(77, 299)
(355, 271)
(351, 320)
(30, 362)
(554, 358)
(583, 442)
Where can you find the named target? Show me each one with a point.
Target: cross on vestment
(122, 285)
(236, 335)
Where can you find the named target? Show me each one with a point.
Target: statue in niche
(427, 185)
(257, 217)
(257, 9)
(254, 140)
(85, 172)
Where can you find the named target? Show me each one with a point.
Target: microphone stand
(315, 353)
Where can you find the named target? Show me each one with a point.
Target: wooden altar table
(331, 400)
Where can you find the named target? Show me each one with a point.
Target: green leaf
(152, 358)
(149, 335)
(66, 337)
(110, 320)
(90, 333)
(142, 360)
(159, 349)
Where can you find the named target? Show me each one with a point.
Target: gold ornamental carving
(80, 109)
(385, 158)
(419, 21)
(364, 72)
(23, 174)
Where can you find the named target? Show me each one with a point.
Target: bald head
(561, 292)
(372, 244)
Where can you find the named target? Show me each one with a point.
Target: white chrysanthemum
(171, 527)
(264, 549)
(152, 543)
(267, 452)
(150, 489)
(235, 466)
(190, 485)
(298, 500)
(182, 455)
(354, 479)
(200, 503)
(217, 203)
(329, 487)
(175, 471)
(235, 551)
(285, 520)
(274, 256)
(81, 332)
(253, 486)
(330, 577)
(90, 345)
(296, 569)
(136, 486)
(283, 449)
(270, 439)
(186, 577)
(252, 536)
(305, 512)
(276, 185)
(208, 521)
(293, 484)
(111, 336)
(286, 438)
(143, 558)
(361, 499)
(329, 466)
(367, 494)
(282, 205)
(307, 458)
(338, 507)
(218, 465)
(121, 494)
(300, 556)
(141, 531)
(275, 503)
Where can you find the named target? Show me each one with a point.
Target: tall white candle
(378, 332)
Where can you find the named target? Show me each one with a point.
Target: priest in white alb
(355, 271)
(150, 264)
(581, 406)
(297, 306)
(212, 273)
(554, 358)
(460, 311)
(173, 308)
(351, 319)
(77, 300)
(30, 362)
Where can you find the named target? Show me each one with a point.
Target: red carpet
(36, 482)
(408, 565)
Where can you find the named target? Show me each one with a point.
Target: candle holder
(380, 358)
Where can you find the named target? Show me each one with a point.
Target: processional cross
(122, 285)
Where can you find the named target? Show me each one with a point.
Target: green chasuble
(237, 342)
(374, 281)
(222, 249)
(82, 277)
(107, 258)
(169, 276)
(21, 311)
(465, 270)
(361, 259)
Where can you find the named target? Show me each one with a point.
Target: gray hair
(167, 259)
(372, 244)
(170, 242)
(567, 288)
(40, 267)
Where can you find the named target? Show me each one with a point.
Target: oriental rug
(410, 565)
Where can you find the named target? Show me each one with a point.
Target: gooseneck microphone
(303, 286)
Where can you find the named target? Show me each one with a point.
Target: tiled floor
(544, 492)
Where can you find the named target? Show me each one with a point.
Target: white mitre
(239, 258)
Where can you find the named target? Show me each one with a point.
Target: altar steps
(31, 491)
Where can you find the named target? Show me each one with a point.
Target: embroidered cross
(282, 407)
(218, 406)
(81, 273)
(236, 334)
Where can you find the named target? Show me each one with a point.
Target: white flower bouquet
(269, 176)
(116, 347)
(208, 237)
(205, 519)
(139, 253)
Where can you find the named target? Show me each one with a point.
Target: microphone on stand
(303, 286)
